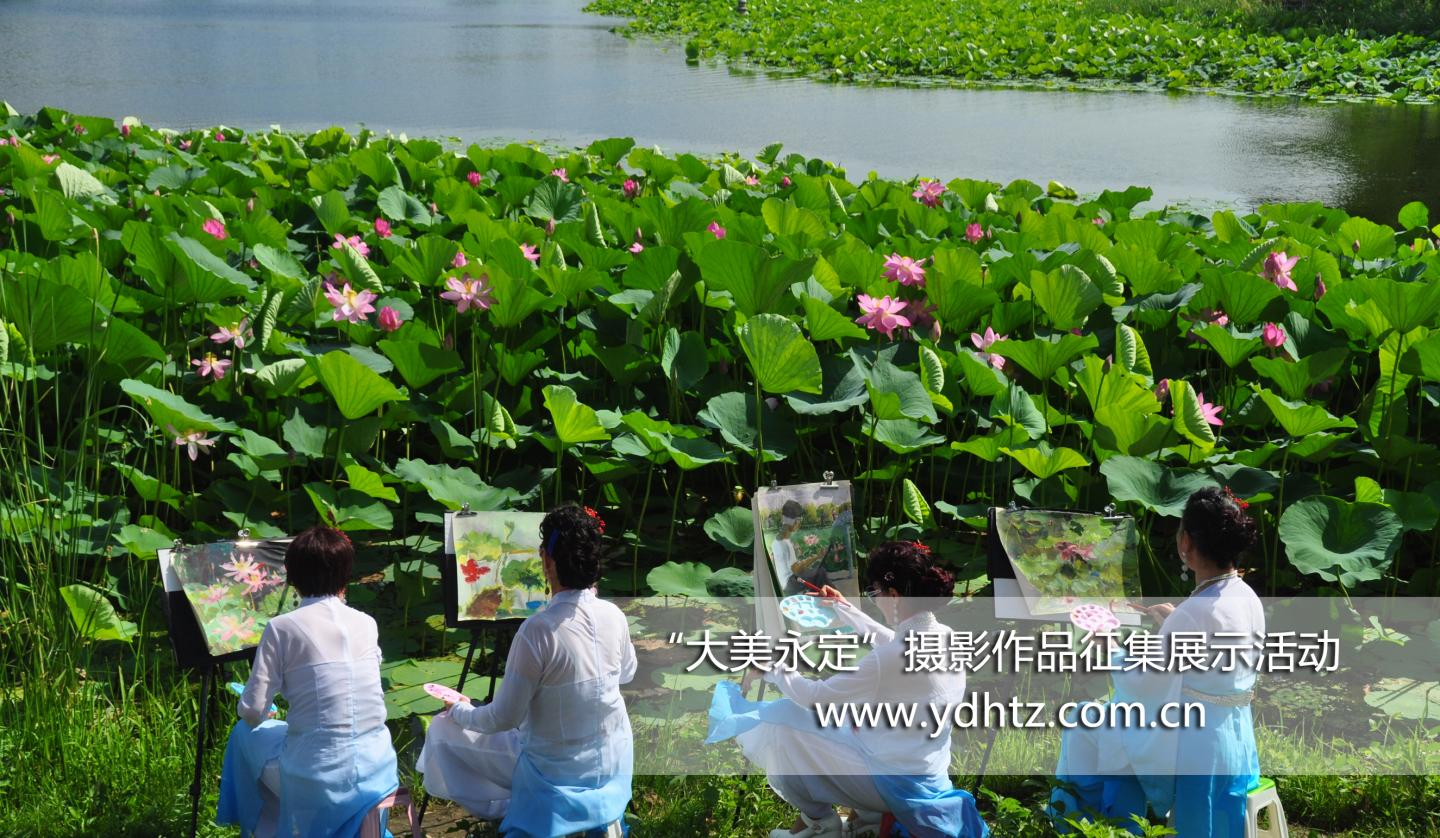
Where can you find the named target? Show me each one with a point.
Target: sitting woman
(873, 770)
(556, 739)
(322, 770)
(1199, 774)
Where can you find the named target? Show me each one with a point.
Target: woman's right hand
(830, 596)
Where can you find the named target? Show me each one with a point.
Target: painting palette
(444, 693)
(1094, 619)
(807, 611)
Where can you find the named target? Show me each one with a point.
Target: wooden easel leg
(476, 637)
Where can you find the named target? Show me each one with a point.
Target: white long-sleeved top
(880, 678)
(290, 658)
(562, 689)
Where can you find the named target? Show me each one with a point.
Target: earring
(1184, 568)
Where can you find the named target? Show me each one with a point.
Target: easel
(187, 638)
(500, 630)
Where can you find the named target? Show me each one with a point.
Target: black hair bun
(572, 536)
(1219, 526)
(909, 567)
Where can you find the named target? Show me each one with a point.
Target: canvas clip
(242, 540)
(829, 479)
(464, 511)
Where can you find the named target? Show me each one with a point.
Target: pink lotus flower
(382, 228)
(1277, 269)
(772, 403)
(1319, 286)
(716, 230)
(193, 441)
(531, 252)
(79, 130)
(637, 246)
(467, 292)
(1098, 221)
(785, 182)
(812, 540)
(1209, 411)
(984, 342)
(922, 316)
(882, 315)
(1162, 390)
(473, 178)
(237, 334)
(549, 228)
(350, 305)
(1214, 317)
(904, 270)
(630, 188)
(562, 174)
(1355, 247)
(459, 261)
(1273, 335)
(219, 136)
(354, 241)
(184, 145)
(215, 227)
(929, 192)
(49, 159)
(974, 232)
(214, 593)
(211, 365)
(751, 180)
(250, 204)
(125, 131)
(257, 580)
(233, 626)
(389, 319)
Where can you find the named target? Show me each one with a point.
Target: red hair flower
(921, 546)
(598, 520)
(1240, 502)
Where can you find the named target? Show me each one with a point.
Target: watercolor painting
(234, 589)
(498, 571)
(806, 532)
(1065, 559)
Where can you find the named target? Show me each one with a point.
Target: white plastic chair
(1264, 796)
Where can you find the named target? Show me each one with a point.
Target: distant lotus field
(212, 330)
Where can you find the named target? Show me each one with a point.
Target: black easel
(207, 684)
(477, 635)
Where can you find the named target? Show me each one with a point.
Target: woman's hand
(752, 674)
(830, 596)
(1158, 613)
(450, 704)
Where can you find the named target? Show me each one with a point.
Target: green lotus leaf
(94, 617)
(169, 410)
(679, 579)
(1340, 541)
(1158, 488)
(733, 529)
(1300, 419)
(575, 423)
(1189, 420)
(356, 389)
(781, 358)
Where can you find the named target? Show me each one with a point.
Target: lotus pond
(215, 329)
(489, 70)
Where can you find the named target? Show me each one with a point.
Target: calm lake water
(543, 70)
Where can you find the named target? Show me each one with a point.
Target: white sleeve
(858, 685)
(267, 675)
(523, 668)
(628, 664)
(856, 618)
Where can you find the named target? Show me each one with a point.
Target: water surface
(543, 70)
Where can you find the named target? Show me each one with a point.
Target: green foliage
(1256, 46)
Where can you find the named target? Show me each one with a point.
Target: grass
(1250, 46)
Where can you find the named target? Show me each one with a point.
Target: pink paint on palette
(1094, 619)
(444, 693)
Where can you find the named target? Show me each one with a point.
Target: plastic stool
(1264, 796)
(375, 823)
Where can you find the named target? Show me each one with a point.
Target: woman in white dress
(322, 770)
(556, 739)
(900, 770)
(1200, 775)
